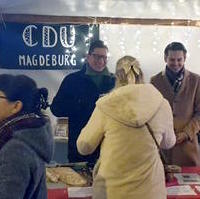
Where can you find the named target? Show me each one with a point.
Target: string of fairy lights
(137, 35)
(121, 28)
(122, 39)
(87, 40)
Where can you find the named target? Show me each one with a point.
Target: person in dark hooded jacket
(26, 141)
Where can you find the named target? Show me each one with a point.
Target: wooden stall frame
(27, 18)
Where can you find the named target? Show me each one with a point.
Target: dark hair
(174, 46)
(96, 44)
(24, 89)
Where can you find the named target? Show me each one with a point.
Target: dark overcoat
(76, 100)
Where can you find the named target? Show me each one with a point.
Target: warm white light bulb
(90, 35)
(74, 48)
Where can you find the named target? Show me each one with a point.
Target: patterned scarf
(175, 79)
(17, 122)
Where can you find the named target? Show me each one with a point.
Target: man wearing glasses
(78, 94)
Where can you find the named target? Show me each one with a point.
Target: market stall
(143, 33)
(186, 185)
(69, 180)
(188, 188)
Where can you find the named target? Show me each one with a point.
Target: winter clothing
(97, 77)
(129, 165)
(185, 105)
(76, 99)
(23, 154)
(175, 79)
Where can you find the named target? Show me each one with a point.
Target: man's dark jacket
(76, 100)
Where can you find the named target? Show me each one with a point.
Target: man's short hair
(174, 46)
(96, 44)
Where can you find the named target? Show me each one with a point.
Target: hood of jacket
(39, 138)
(132, 105)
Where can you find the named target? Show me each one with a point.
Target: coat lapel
(168, 86)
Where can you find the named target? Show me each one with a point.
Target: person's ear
(17, 107)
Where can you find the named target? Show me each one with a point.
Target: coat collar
(186, 74)
(18, 122)
(109, 81)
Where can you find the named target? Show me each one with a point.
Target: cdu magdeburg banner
(45, 46)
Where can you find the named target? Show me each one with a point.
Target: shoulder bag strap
(162, 156)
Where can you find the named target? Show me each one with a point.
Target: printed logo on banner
(45, 46)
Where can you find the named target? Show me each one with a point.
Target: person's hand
(181, 137)
(121, 75)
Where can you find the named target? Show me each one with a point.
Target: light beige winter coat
(129, 166)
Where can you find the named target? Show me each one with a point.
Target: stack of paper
(187, 178)
(180, 190)
(79, 192)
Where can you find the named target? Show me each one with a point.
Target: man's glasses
(99, 57)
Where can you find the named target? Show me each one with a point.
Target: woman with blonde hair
(128, 71)
(129, 165)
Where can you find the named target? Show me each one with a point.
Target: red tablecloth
(64, 193)
(61, 193)
(186, 170)
(57, 193)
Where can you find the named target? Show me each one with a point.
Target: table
(62, 193)
(173, 183)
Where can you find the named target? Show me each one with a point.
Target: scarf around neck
(18, 122)
(97, 77)
(174, 78)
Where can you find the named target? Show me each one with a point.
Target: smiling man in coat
(182, 89)
(78, 94)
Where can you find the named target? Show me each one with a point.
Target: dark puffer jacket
(23, 157)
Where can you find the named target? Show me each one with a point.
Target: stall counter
(75, 193)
